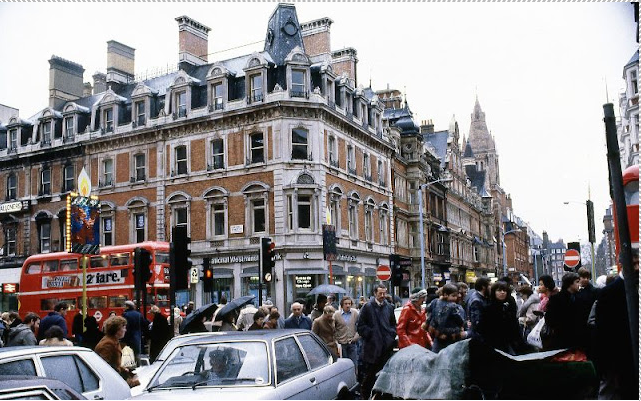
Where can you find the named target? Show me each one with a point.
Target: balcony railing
(302, 94)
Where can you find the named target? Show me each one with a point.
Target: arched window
(352, 212)
(180, 210)
(137, 209)
(383, 224)
(335, 196)
(256, 208)
(369, 220)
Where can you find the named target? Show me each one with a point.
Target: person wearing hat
(410, 327)
(321, 301)
(133, 336)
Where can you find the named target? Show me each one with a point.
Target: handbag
(534, 338)
(128, 359)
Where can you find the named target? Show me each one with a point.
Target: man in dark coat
(562, 315)
(613, 346)
(159, 334)
(585, 299)
(476, 304)
(377, 326)
(298, 320)
(55, 318)
(133, 336)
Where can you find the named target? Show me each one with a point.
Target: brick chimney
(192, 42)
(345, 60)
(99, 82)
(65, 81)
(316, 36)
(120, 63)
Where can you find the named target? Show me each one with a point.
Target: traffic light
(208, 276)
(591, 236)
(267, 257)
(179, 257)
(142, 271)
(395, 267)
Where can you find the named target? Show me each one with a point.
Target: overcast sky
(539, 70)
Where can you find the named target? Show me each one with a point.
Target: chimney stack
(87, 90)
(427, 127)
(316, 36)
(65, 81)
(344, 61)
(120, 63)
(192, 42)
(99, 82)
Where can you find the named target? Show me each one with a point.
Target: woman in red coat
(410, 328)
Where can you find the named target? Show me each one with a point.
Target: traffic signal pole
(172, 286)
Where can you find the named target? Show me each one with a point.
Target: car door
(21, 366)
(293, 381)
(320, 363)
(75, 372)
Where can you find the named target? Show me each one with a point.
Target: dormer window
(181, 103)
(46, 133)
(69, 127)
(256, 82)
(217, 92)
(13, 139)
(108, 116)
(299, 88)
(140, 113)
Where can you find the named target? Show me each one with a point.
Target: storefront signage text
(218, 260)
(346, 258)
(98, 278)
(14, 207)
(303, 281)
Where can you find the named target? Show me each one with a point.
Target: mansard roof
(438, 140)
(633, 60)
(477, 179)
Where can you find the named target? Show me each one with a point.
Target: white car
(80, 368)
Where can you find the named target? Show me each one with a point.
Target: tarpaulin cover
(418, 373)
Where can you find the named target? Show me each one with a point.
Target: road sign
(193, 274)
(383, 273)
(572, 258)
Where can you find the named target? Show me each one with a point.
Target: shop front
(9, 297)
(223, 285)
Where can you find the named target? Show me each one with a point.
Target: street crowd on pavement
(590, 321)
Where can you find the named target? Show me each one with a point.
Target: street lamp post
(589, 206)
(420, 213)
(504, 257)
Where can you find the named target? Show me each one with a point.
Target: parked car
(80, 368)
(36, 388)
(146, 372)
(260, 364)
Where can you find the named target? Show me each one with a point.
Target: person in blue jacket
(55, 318)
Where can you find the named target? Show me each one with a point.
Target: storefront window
(250, 287)
(222, 287)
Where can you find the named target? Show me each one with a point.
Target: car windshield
(215, 364)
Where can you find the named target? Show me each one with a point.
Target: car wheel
(344, 394)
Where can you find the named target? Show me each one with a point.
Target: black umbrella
(233, 305)
(196, 315)
(327, 289)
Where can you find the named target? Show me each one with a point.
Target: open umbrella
(233, 305)
(327, 289)
(197, 314)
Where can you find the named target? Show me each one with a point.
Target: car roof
(6, 352)
(265, 335)
(10, 382)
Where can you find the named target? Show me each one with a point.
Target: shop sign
(9, 288)
(219, 260)
(14, 207)
(346, 258)
(303, 282)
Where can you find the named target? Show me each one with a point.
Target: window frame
(218, 99)
(256, 92)
(300, 150)
(68, 178)
(181, 165)
(254, 156)
(69, 126)
(298, 89)
(141, 115)
(216, 156)
(140, 170)
(11, 239)
(46, 132)
(332, 154)
(45, 185)
(107, 176)
(45, 239)
(181, 108)
(108, 119)
(13, 139)
(12, 186)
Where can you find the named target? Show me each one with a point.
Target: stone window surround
(335, 196)
(369, 206)
(65, 179)
(137, 206)
(305, 127)
(217, 74)
(108, 210)
(210, 155)
(179, 200)
(252, 191)
(292, 192)
(141, 93)
(174, 158)
(11, 188)
(133, 169)
(43, 169)
(216, 196)
(248, 146)
(255, 65)
(384, 229)
(353, 200)
(102, 182)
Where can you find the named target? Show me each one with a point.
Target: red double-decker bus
(49, 278)
(631, 193)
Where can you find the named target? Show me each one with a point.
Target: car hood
(145, 374)
(229, 393)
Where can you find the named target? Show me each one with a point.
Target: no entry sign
(572, 258)
(383, 273)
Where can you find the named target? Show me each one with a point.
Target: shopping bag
(534, 338)
(128, 358)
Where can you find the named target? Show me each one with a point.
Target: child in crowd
(448, 319)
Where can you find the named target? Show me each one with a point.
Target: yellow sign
(84, 183)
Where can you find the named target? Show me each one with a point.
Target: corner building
(264, 145)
